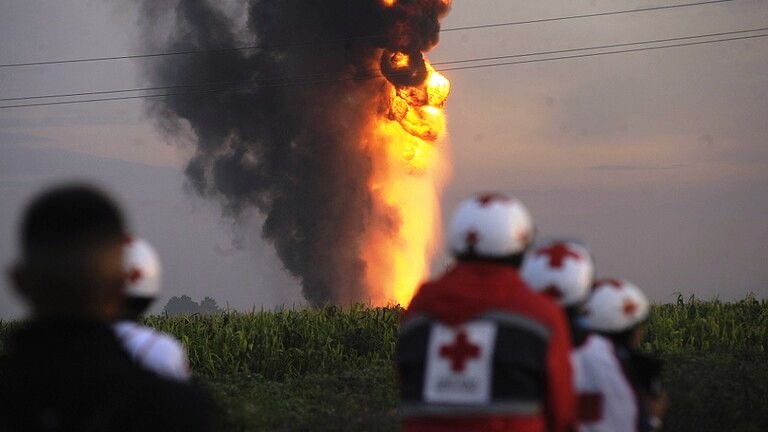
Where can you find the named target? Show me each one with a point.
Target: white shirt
(154, 351)
(599, 378)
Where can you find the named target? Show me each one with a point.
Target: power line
(616, 45)
(606, 53)
(444, 63)
(315, 43)
(591, 15)
(360, 78)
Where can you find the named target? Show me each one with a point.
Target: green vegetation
(296, 370)
(716, 357)
(331, 369)
(708, 327)
(286, 343)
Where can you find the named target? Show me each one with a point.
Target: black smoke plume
(278, 126)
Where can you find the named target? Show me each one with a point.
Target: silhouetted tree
(208, 305)
(184, 305)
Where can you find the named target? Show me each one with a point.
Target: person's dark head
(491, 227)
(70, 262)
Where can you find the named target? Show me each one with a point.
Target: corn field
(284, 343)
(707, 327)
(276, 344)
(295, 342)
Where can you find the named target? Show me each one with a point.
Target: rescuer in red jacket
(478, 350)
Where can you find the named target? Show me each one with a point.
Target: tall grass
(286, 342)
(295, 342)
(708, 327)
(277, 344)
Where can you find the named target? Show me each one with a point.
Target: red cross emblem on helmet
(630, 307)
(557, 254)
(490, 198)
(553, 292)
(134, 275)
(613, 283)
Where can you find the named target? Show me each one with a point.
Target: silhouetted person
(65, 369)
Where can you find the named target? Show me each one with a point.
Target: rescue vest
(492, 365)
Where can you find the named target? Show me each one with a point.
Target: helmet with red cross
(142, 269)
(562, 269)
(490, 226)
(615, 305)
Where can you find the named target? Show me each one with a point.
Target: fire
(400, 60)
(410, 167)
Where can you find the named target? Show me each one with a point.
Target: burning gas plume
(330, 126)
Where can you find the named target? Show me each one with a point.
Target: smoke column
(278, 128)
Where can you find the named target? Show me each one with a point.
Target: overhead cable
(275, 80)
(351, 39)
(368, 77)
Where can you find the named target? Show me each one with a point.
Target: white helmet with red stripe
(615, 305)
(142, 268)
(490, 225)
(562, 269)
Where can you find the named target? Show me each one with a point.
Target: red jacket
(476, 292)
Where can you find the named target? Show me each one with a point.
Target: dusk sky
(658, 160)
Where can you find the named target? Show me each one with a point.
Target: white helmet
(616, 305)
(490, 225)
(562, 269)
(142, 268)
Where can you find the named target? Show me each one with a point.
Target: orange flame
(400, 60)
(409, 170)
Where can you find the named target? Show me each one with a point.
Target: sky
(657, 160)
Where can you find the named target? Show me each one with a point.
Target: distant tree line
(184, 305)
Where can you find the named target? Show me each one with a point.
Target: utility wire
(315, 43)
(337, 74)
(590, 15)
(686, 44)
(616, 45)
(359, 78)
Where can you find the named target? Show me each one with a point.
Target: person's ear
(113, 282)
(19, 281)
(113, 308)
